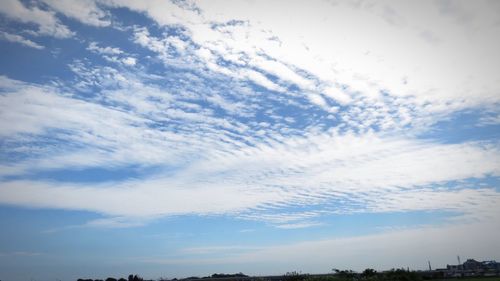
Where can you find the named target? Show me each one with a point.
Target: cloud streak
(20, 39)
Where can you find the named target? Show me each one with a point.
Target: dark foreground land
(480, 278)
(344, 275)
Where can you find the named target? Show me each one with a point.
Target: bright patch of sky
(179, 138)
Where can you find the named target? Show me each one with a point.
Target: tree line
(337, 275)
(131, 277)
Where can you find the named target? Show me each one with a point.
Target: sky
(186, 138)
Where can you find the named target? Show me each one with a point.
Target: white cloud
(490, 119)
(348, 53)
(97, 128)
(163, 198)
(85, 11)
(298, 225)
(380, 174)
(164, 12)
(335, 53)
(337, 95)
(112, 54)
(302, 49)
(19, 39)
(356, 46)
(94, 47)
(283, 72)
(231, 176)
(318, 100)
(129, 61)
(171, 50)
(262, 80)
(193, 57)
(47, 22)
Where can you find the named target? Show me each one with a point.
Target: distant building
(471, 267)
(491, 265)
(472, 264)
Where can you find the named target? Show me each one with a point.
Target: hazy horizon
(186, 138)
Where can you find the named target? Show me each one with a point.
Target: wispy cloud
(210, 250)
(46, 21)
(241, 116)
(441, 244)
(112, 54)
(86, 11)
(19, 39)
(299, 225)
(20, 254)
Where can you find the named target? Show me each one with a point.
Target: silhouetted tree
(346, 275)
(111, 279)
(295, 276)
(402, 275)
(223, 275)
(369, 273)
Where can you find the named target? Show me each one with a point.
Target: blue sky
(180, 138)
